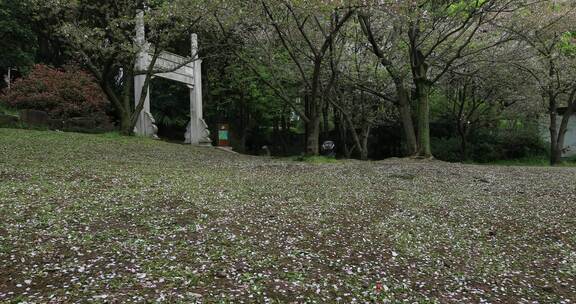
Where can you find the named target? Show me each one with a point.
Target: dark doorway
(170, 106)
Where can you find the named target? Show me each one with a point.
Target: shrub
(507, 144)
(446, 149)
(490, 145)
(522, 144)
(62, 94)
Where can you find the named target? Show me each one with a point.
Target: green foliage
(464, 8)
(446, 149)
(170, 103)
(490, 145)
(240, 97)
(568, 44)
(18, 46)
(521, 143)
(5, 109)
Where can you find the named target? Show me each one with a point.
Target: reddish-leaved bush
(61, 93)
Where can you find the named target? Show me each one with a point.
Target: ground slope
(113, 219)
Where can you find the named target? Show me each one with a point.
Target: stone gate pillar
(197, 132)
(146, 126)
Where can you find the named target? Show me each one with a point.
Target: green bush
(446, 149)
(493, 145)
(521, 144)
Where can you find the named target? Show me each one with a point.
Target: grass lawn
(109, 219)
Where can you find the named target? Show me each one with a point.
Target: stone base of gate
(202, 134)
(146, 126)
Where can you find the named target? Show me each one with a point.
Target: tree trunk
(404, 107)
(360, 140)
(558, 147)
(285, 132)
(340, 125)
(557, 158)
(555, 150)
(312, 135)
(463, 148)
(405, 111)
(419, 69)
(314, 111)
(424, 148)
(126, 127)
(463, 133)
(364, 143)
(325, 123)
(357, 140)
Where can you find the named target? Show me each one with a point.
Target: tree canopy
(416, 72)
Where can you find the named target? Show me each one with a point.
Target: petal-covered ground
(109, 219)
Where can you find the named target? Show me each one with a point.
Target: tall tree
(300, 34)
(361, 93)
(546, 31)
(387, 46)
(478, 94)
(433, 35)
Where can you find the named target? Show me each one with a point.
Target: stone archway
(184, 70)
